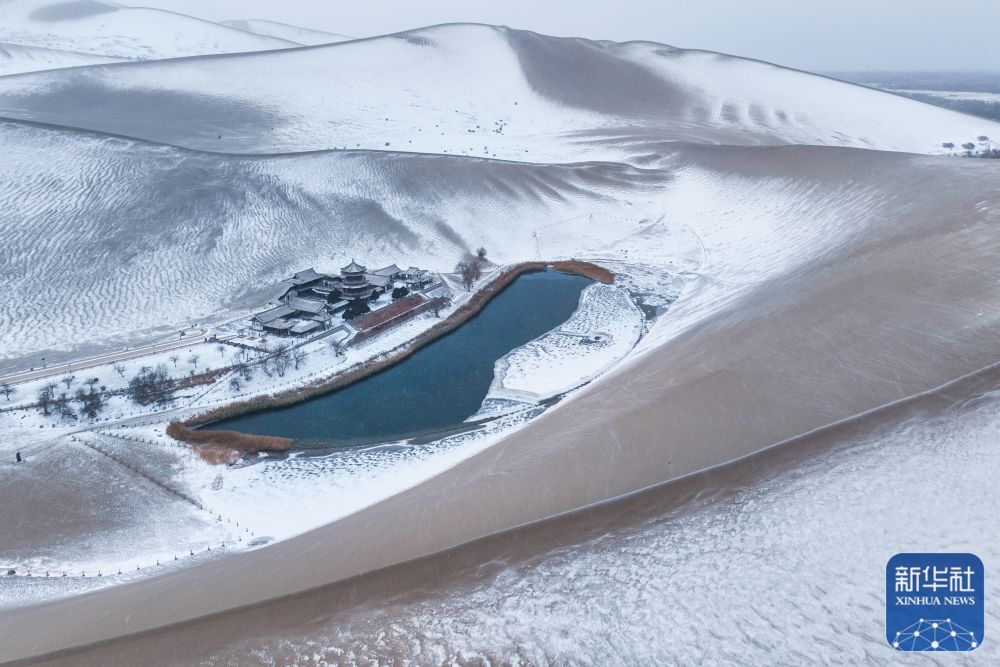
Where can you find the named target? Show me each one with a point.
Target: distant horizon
(853, 36)
(909, 71)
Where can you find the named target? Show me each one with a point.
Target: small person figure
(19, 457)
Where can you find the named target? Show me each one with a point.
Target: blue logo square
(934, 602)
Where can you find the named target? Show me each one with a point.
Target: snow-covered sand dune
(291, 33)
(629, 582)
(483, 91)
(890, 291)
(107, 237)
(110, 29)
(18, 58)
(111, 238)
(820, 281)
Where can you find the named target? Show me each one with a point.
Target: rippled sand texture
(483, 91)
(901, 299)
(691, 572)
(820, 281)
(105, 239)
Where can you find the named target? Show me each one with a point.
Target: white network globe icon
(935, 635)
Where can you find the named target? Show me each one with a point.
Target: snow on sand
(604, 328)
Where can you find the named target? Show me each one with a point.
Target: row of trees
(88, 401)
(155, 386)
(150, 385)
(281, 357)
(986, 148)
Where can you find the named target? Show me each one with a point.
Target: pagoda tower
(353, 283)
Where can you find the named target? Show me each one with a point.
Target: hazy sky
(809, 34)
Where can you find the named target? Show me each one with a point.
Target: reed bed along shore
(465, 312)
(225, 446)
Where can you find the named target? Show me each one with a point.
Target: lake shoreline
(233, 439)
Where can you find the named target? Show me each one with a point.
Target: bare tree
(438, 304)
(63, 408)
(151, 385)
(45, 397)
(462, 269)
(481, 252)
(469, 272)
(234, 384)
(174, 358)
(221, 349)
(68, 380)
(337, 346)
(193, 360)
(7, 390)
(120, 369)
(298, 356)
(281, 356)
(91, 401)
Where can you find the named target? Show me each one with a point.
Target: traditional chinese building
(309, 300)
(354, 283)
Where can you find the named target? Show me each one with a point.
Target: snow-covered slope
(813, 275)
(17, 59)
(108, 239)
(106, 29)
(105, 237)
(287, 32)
(483, 91)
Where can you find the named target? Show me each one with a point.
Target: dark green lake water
(438, 387)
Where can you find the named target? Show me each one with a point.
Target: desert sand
(895, 307)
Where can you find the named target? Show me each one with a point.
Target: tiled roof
(353, 267)
(377, 280)
(306, 276)
(390, 270)
(303, 327)
(273, 314)
(311, 306)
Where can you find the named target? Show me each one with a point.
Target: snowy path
(113, 357)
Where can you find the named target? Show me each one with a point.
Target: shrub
(228, 439)
(356, 309)
(151, 385)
